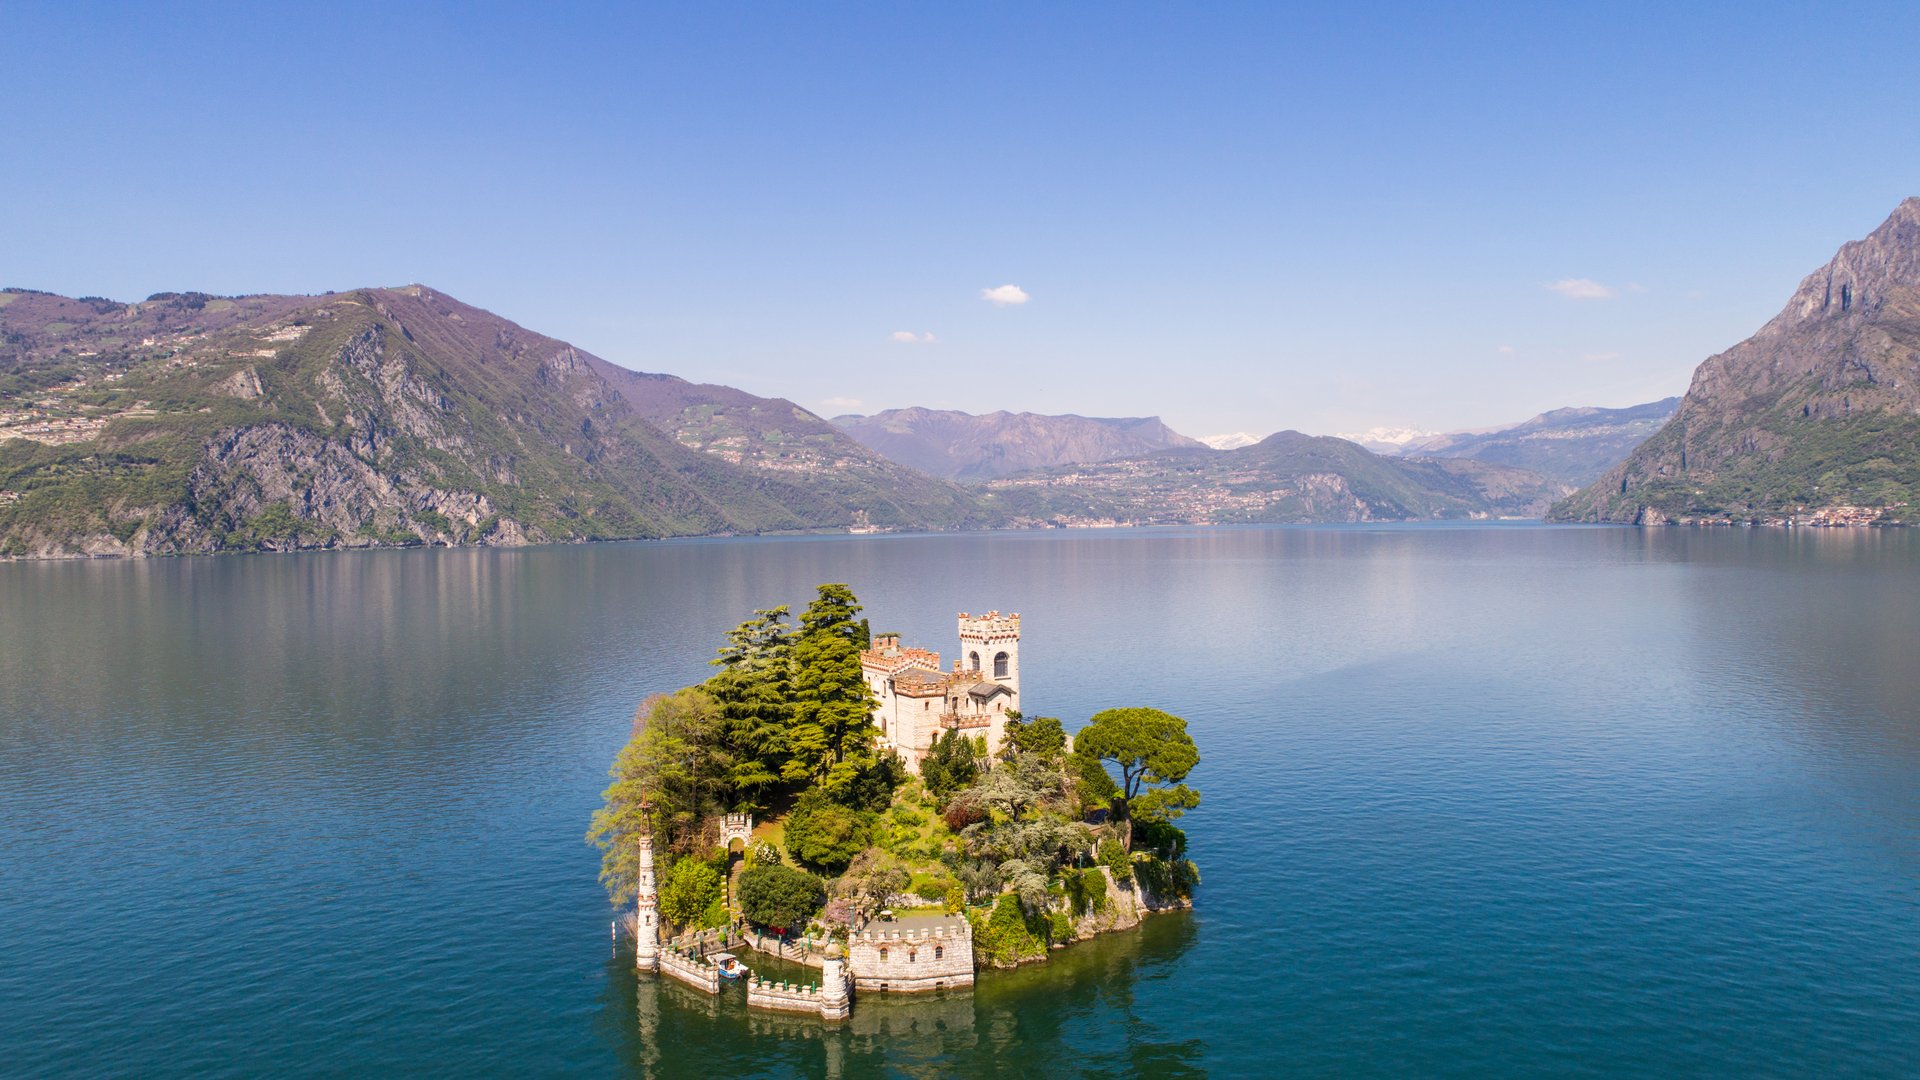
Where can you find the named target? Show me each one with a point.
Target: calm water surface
(1489, 801)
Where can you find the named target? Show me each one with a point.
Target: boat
(730, 966)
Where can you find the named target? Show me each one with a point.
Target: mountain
(963, 446)
(1230, 441)
(192, 423)
(1816, 417)
(1574, 444)
(1286, 477)
(1390, 441)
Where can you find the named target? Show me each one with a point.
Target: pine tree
(832, 732)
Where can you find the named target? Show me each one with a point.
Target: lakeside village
(840, 801)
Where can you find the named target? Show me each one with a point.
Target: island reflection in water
(1076, 1007)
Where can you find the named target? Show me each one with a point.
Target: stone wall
(889, 958)
(690, 968)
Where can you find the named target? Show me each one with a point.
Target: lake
(1480, 801)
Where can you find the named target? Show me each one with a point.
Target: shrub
(780, 896)
(1007, 936)
(961, 813)
(1041, 735)
(956, 899)
(1060, 928)
(1115, 858)
(951, 765)
(1087, 890)
(825, 835)
(765, 854)
(691, 886)
(871, 882)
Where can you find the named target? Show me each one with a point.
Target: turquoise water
(1480, 801)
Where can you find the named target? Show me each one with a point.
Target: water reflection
(1076, 1011)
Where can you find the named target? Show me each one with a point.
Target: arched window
(939, 951)
(976, 660)
(1000, 666)
(883, 954)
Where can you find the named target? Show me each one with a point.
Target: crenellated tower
(646, 925)
(990, 645)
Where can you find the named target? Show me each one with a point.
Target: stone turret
(990, 646)
(835, 1004)
(646, 925)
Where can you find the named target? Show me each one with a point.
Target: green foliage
(872, 882)
(1093, 785)
(832, 734)
(1041, 735)
(765, 854)
(1086, 890)
(1161, 837)
(1008, 935)
(1114, 857)
(1173, 879)
(950, 765)
(1059, 928)
(753, 690)
(675, 769)
(955, 899)
(1153, 753)
(780, 896)
(691, 887)
(824, 835)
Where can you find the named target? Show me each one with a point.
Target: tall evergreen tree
(753, 689)
(832, 732)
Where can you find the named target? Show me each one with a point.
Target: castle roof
(982, 690)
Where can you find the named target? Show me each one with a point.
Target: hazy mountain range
(965, 446)
(1285, 477)
(1816, 416)
(1574, 444)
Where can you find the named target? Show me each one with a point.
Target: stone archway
(736, 829)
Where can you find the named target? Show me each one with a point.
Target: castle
(918, 702)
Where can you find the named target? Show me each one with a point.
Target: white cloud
(1505, 350)
(1004, 295)
(842, 402)
(908, 337)
(1580, 288)
(1599, 357)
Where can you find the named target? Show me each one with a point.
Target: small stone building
(917, 952)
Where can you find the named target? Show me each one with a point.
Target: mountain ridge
(965, 446)
(1815, 417)
(189, 423)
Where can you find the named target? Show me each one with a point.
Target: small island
(838, 800)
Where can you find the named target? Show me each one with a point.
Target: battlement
(912, 958)
(991, 627)
(951, 929)
(889, 657)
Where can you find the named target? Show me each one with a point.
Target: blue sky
(1325, 217)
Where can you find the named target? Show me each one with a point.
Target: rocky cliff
(963, 446)
(1814, 417)
(189, 423)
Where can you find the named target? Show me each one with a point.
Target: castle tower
(990, 645)
(646, 926)
(834, 1003)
